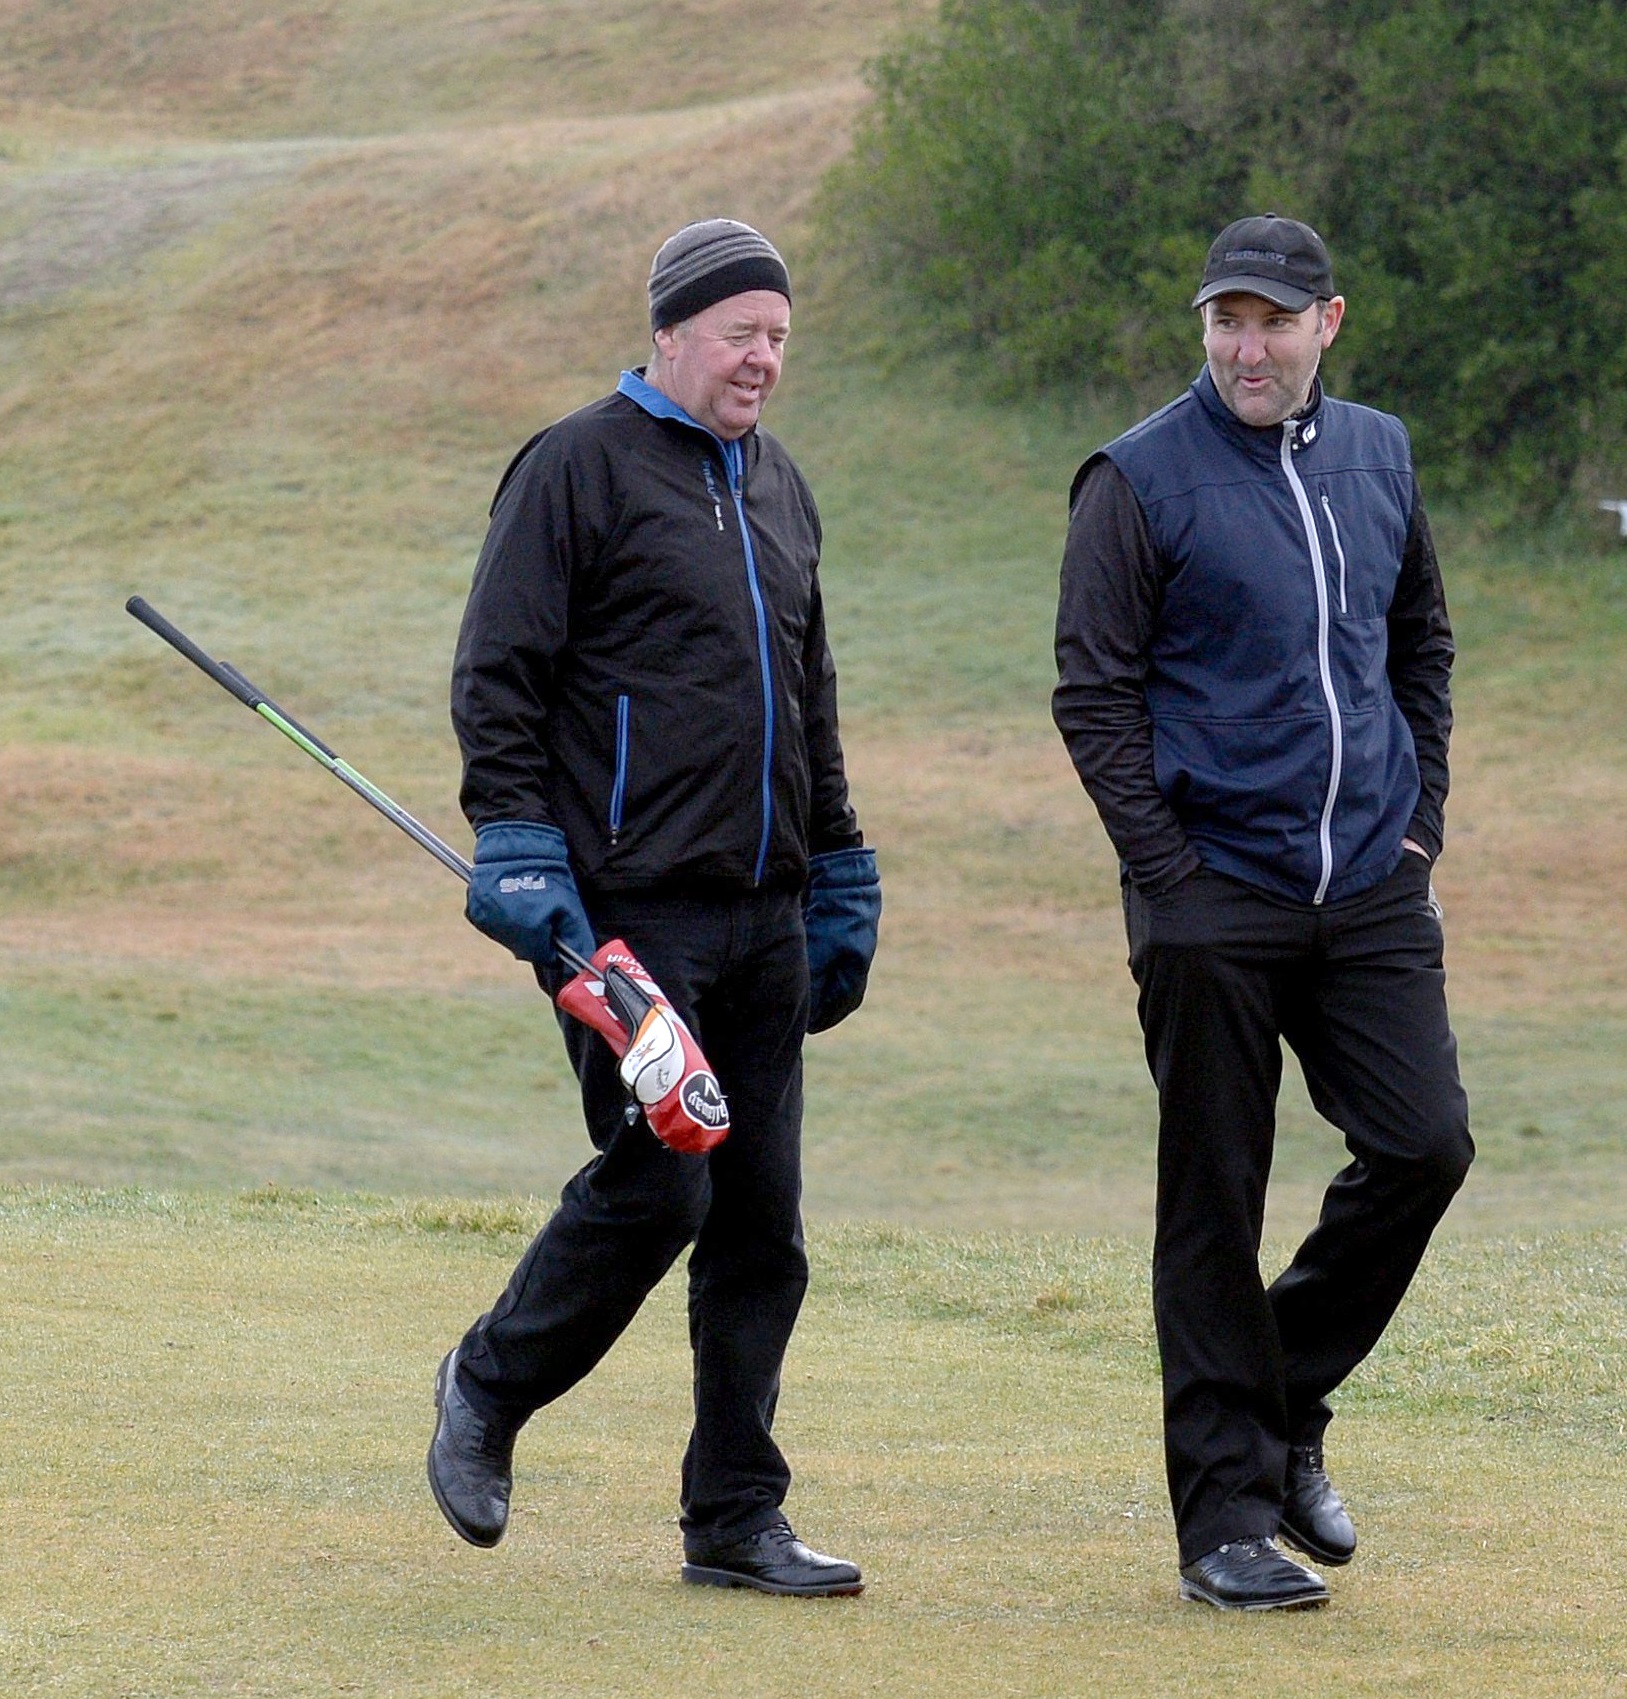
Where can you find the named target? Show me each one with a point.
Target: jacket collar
(1263, 442)
(661, 406)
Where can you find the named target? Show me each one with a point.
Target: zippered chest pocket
(1338, 554)
(618, 786)
(1362, 543)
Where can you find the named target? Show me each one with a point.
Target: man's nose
(1250, 346)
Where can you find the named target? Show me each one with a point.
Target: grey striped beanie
(708, 262)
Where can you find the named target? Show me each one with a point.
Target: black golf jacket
(643, 661)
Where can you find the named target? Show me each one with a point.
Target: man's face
(1263, 357)
(723, 363)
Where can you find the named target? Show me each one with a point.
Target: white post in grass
(1619, 508)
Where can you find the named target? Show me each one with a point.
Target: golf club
(230, 679)
(662, 1067)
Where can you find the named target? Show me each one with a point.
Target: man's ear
(666, 340)
(1332, 317)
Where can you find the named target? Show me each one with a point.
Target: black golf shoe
(773, 1561)
(1314, 1517)
(1251, 1574)
(471, 1463)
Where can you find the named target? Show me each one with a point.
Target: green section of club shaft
(368, 792)
(361, 781)
(294, 734)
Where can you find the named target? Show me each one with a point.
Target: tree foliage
(1040, 179)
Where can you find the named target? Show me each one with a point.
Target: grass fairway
(213, 1467)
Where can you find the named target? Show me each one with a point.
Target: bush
(1040, 179)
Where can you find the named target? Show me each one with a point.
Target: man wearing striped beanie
(646, 705)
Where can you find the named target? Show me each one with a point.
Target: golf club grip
(234, 682)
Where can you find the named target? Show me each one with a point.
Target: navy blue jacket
(1253, 651)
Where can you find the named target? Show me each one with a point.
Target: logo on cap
(1279, 258)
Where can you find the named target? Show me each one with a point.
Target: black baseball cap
(1279, 258)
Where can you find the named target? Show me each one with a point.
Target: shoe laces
(777, 1537)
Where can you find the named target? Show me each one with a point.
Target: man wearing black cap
(647, 710)
(1254, 662)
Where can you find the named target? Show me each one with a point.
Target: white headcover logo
(654, 1060)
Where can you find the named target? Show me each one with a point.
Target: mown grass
(155, 1081)
(279, 293)
(214, 1469)
(125, 1081)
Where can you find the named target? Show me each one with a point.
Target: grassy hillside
(213, 1468)
(279, 294)
(210, 68)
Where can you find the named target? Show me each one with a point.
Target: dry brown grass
(158, 61)
(1536, 879)
(372, 294)
(318, 298)
(123, 862)
(279, 292)
(993, 855)
(174, 68)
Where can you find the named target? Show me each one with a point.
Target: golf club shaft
(230, 679)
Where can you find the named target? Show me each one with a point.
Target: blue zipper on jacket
(661, 406)
(618, 791)
(734, 457)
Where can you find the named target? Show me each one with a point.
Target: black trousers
(1357, 988)
(736, 969)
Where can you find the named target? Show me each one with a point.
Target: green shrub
(1039, 180)
(1482, 205)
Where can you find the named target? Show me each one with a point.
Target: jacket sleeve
(1421, 653)
(1112, 588)
(831, 821)
(513, 635)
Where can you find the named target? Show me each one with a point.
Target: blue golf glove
(841, 909)
(524, 894)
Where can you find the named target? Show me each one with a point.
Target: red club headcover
(661, 1064)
